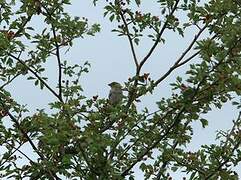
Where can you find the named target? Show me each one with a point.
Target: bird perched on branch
(116, 94)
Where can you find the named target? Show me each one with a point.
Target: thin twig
(21, 28)
(18, 149)
(59, 63)
(177, 118)
(158, 37)
(10, 154)
(151, 128)
(129, 38)
(177, 63)
(27, 137)
(10, 80)
(36, 75)
(132, 93)
(224, 147)
(57, 46)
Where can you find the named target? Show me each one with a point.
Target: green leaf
(41, 85)
(138, 2)
(193, 175)
(136, 40)
(204, 122)
(112, 17)
(36, 82)
(174, 168)
(31, 78)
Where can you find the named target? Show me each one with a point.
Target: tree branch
(22, 26)
(57, 47)
(164, 163)
(129, 38)
(59, 63)
(225, 147)
(177, 63)
(151, 128)
(177, 118)
(37, 76)
(18, 149)
(9, 80)
(158, 38)
(10, 154)
(165, 133)
(131, 96)
(53, 175)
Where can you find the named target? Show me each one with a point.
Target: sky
(111, 60)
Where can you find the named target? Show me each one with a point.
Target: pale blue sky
(111, 60)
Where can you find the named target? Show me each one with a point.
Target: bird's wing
(110, 94)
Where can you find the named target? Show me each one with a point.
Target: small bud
(95, 97)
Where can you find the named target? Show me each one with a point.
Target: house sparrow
(116, 94)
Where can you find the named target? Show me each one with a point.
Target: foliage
(89, 139)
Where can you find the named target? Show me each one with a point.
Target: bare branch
(10, 154)
(177, 63)
(18, 150)
(10, 80)
(37, 76)
(129, 38)
(158, 38)
(59, 62)
(57, 48)
(131, 96)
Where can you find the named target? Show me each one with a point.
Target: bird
(116, 93)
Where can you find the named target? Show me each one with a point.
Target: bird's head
(115, 85)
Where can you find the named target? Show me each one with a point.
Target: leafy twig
(158, 37)
(177, 118)
(52, 174)
(178, 62)
(37, 76)
(129, 38)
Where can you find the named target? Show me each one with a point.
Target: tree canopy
(78, 137)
